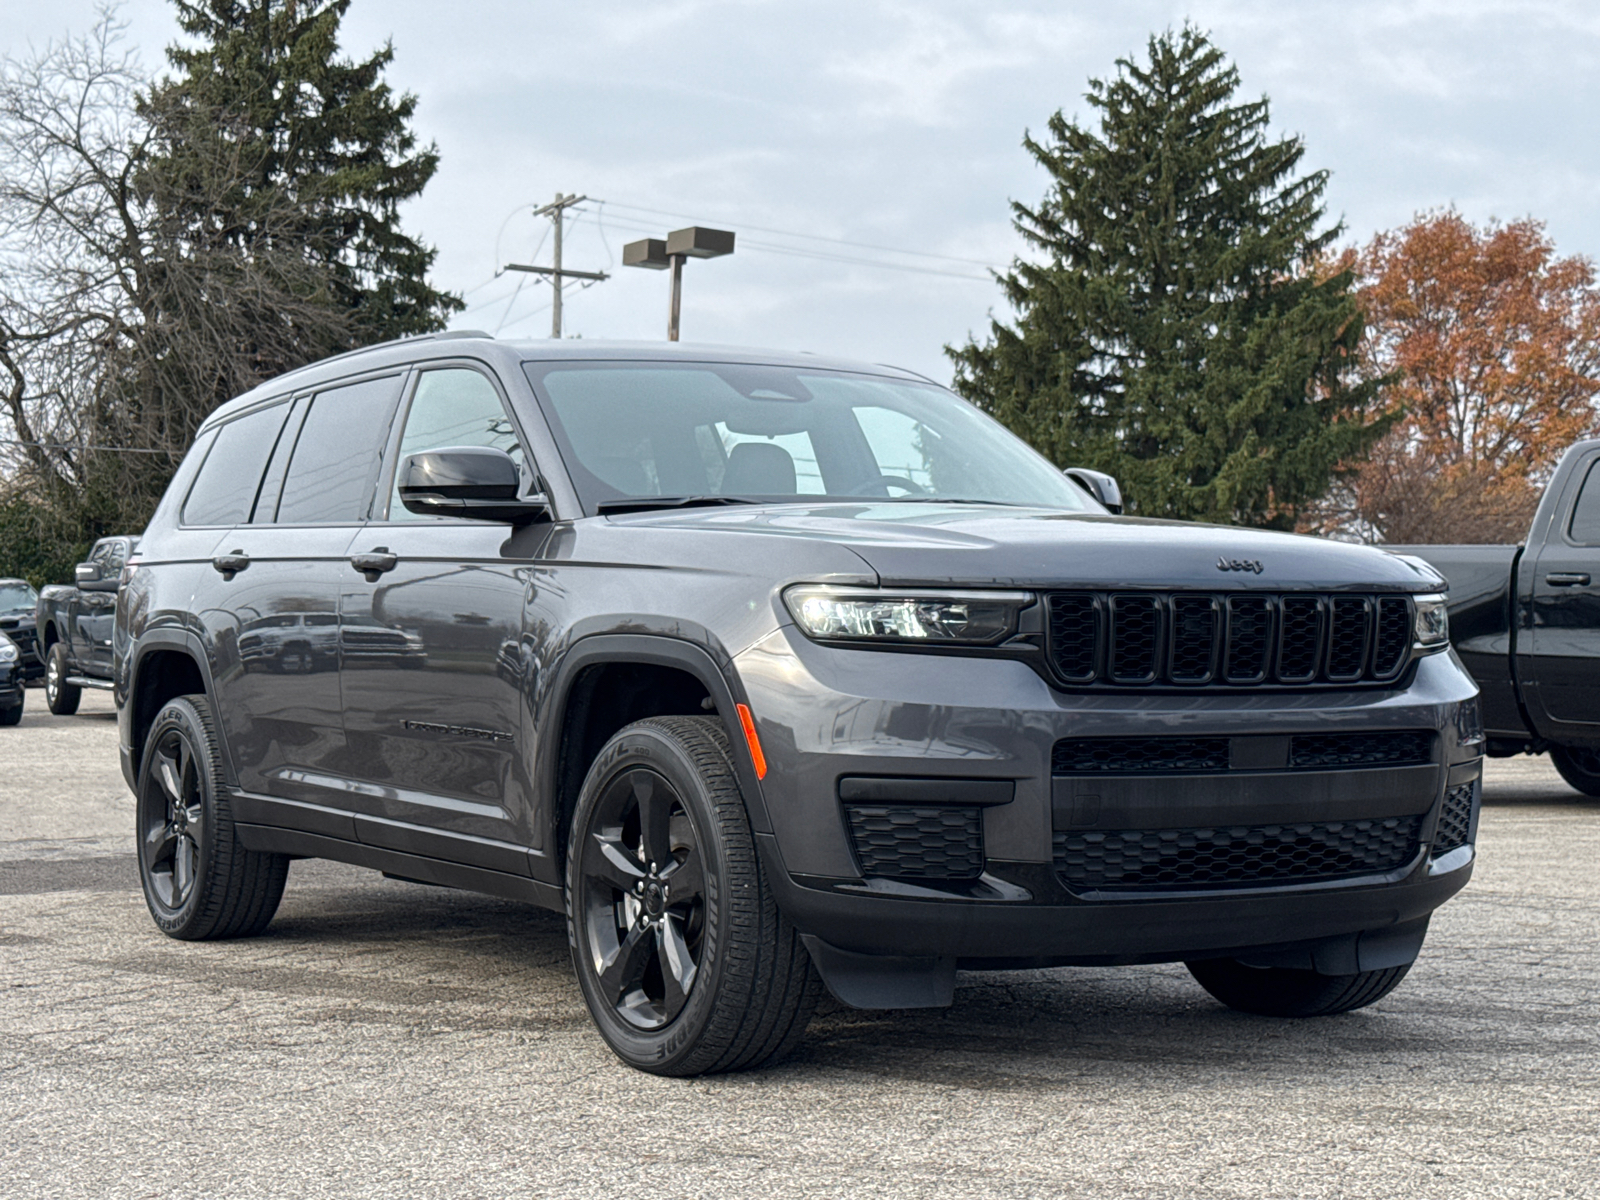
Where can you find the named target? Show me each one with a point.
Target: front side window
(336, 456)
(752, 431)
(225, 489)
(455, 406)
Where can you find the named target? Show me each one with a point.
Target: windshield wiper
(646, 503)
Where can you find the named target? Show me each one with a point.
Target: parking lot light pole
(656, 254)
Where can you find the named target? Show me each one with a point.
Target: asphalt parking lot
(385, 1039)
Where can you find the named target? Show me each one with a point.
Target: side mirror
(87, 573)
(1099, 485)
(476, 482)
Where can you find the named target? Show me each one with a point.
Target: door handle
(374, 563)
(232, 563)
(1568, 579)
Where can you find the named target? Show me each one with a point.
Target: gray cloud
(897, 124)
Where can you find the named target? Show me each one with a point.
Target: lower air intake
(1150, 859)
(902, 841)
(1455, 818)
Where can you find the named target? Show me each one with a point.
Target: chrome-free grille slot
(903, 841)
(1186, 639)
(1135, 755)
(1455, 818)
(1379, 748)
(1153, 859)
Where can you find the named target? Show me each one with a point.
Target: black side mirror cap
(480, 483)
(1098, 484)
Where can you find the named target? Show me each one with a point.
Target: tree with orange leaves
(1492, 344)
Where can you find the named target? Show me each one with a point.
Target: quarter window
(336, 456)
(225, 489)
(453, 407)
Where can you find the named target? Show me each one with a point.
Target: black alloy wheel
(685, 962)
(199, 882)
(644, 898)
(60, 697)
(1579, 766)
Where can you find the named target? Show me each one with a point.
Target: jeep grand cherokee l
(775, 672)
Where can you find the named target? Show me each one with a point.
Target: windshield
(15, 596)
(776, 433)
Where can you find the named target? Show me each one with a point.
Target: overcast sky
(897, 125)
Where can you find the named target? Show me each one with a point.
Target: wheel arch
(166, 665)
(608, 681)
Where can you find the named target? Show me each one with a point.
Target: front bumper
(824, 715)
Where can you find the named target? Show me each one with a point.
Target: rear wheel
(60, 696)
(199, 882)
(685, 962)
(1283, 992)
(1579, 766)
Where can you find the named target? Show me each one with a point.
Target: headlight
(1433, 624)
(907, 615)
(8, 653)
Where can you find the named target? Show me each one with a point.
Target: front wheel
(684, 960)
(1284, 992)
(60, 696)
(1579, 766)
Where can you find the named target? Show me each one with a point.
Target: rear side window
(225, 489)
(336, 456)
(1585, 527)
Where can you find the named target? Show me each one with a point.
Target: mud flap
(883, 980)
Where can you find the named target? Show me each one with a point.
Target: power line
(67, 446)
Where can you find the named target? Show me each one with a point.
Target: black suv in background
(773, 671)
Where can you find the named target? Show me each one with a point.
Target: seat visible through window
(759, 469)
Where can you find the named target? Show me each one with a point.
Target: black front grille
(1077, 756)
(1392, 748)
(1455, 818)
(1146, 859)
(902, 841)
(1135, 639)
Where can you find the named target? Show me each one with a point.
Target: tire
(199, 882)
(1579, 766)
(12, 715)
(665, 789)
(1282, 992)
(60, 696)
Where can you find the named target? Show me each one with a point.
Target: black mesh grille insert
(1349, 619)
(1076, 756)
(1455, 818)
(1135, 638)
(1299, 638)
(1188, 639)
(900, 841)
(1075, 635)
(1194, 639)
(1387, 748)
(1242, 855)
(1394, 635)
(1249, 638)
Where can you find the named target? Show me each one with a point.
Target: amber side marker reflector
(752, 740)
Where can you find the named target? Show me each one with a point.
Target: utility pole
(657, 254)
(556, 211)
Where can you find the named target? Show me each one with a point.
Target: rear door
(433, 656)
(1563, 666)
(271, 605)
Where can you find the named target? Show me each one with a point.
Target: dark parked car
(12, 686)
(75, 623)
(1526, 621)
(774, 671)
(17, 603)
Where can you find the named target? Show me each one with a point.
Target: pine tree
(1181, 331)
(296, 122)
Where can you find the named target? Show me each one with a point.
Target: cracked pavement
(384, 1039)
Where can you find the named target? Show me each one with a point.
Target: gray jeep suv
(775, 672)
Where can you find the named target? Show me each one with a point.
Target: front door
(433, 675)
(1564, 643)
